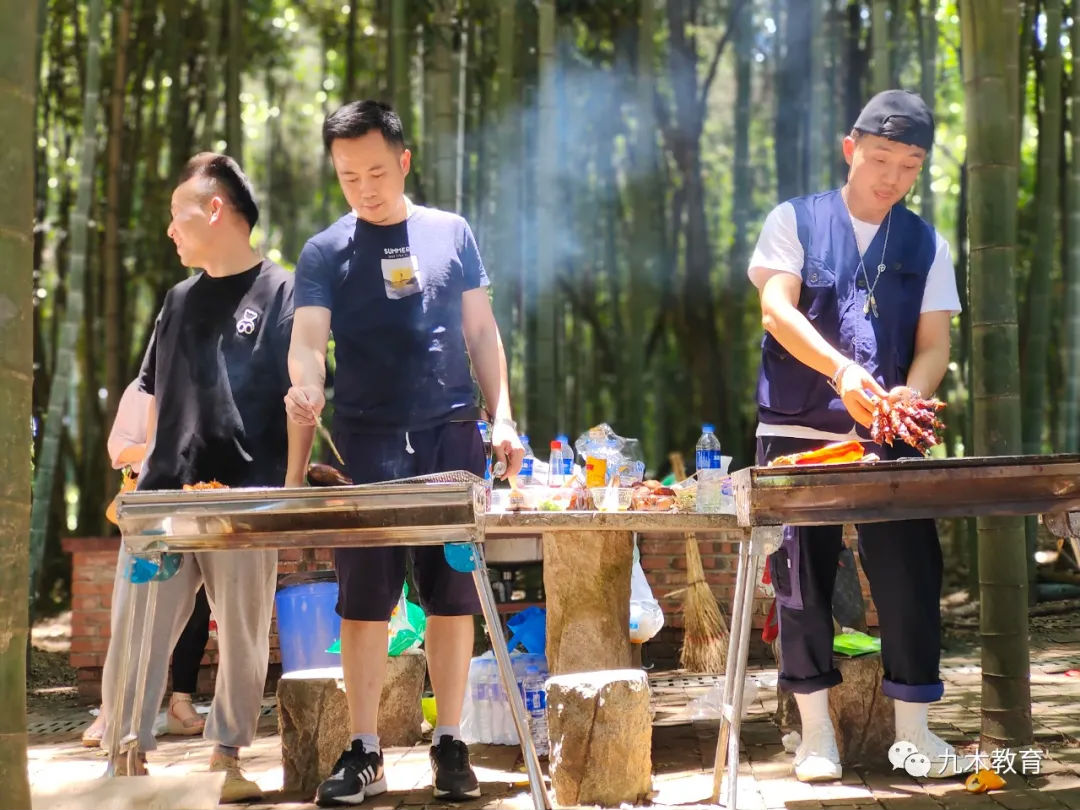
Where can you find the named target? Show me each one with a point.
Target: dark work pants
(189, 649)
(902, 561)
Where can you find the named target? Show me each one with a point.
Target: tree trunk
(348, 84)
(505, 253)
(1071, 336)
(644, 261)
(113, 316)
(792, 113)
(1037, 330)
(440, 155)
(543, 423)
(928, 35)
(400, 87)
(879, 47)
(212, 79)
(816, 164)
(45, 466)
(989, 46)
(18, 83)
(234, 126)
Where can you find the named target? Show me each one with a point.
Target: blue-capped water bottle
(525, 477)
(709, 477)
(536, 707)
(567, 457)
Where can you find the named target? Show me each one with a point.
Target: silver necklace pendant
(880, 269)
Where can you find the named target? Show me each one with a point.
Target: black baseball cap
(899, 116)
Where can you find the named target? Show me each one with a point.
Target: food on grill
(913, 421)
(836, 453)
(204, 485)
(323, 475)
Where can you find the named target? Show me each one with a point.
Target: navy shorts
(370, 579)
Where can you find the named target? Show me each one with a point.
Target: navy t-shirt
(217, 367)
(394, 293)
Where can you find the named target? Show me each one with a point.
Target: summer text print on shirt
(779, 250)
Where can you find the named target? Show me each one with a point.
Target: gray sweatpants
(240, 588)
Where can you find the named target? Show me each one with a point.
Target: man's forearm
(928, 369)
(489, 366)
(306, 366)
(300, 441)
(794, 332)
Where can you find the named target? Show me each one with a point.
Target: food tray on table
(421, 511)
(819, 494)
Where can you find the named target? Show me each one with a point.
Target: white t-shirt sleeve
(778, 248)
(940, 293)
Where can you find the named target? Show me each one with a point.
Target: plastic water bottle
(481, 696)
(555, 465)
(567, 458)
(536, 706)
(710, 479)
(525, 477)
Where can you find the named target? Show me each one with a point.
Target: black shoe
(451, 776)
(357, 774)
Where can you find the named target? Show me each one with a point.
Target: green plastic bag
(855, 644)
(407, 625)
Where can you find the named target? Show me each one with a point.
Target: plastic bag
(620, 457)
(710, 706)
(407, 625)
(646, 616)
(485, 713)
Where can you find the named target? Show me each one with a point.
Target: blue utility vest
(834, 292)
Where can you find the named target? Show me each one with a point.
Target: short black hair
(225, 173)
(357, 118)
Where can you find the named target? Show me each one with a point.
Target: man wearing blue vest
(856, 297)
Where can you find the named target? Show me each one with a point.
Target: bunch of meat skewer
(914, 421)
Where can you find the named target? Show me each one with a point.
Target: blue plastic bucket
(307, 625)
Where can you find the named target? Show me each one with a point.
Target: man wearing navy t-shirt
(404, 291)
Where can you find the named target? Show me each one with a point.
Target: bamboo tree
(879, 47)
(400, 87)
(816, 165)
(504, 182)
(1071, 335)
(211, 77)
(18, 81)
(439, 121)
(46, 465)
(543, 423)
(349, 82)
(1033, 374)
(926, 17)
(989, 48)
(234, 126)
(113, 315)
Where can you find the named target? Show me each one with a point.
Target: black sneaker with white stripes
(357, 774)
(452, 778)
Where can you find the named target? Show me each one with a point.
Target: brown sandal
(183, 726)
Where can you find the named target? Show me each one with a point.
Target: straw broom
(705, 633)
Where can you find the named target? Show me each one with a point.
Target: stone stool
(600, 727)
(313, 717)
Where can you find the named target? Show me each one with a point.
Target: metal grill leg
(127, 630)
(541, 801)
(763, 540)
(146, 645)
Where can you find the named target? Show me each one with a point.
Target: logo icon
(246, 324)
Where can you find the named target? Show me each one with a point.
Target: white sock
(445, 731)
(814, 712)
(370, 741)
(910, 719)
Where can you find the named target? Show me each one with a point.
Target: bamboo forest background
(615, 159)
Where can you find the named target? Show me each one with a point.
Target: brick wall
(93, 568)
(663, 558)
